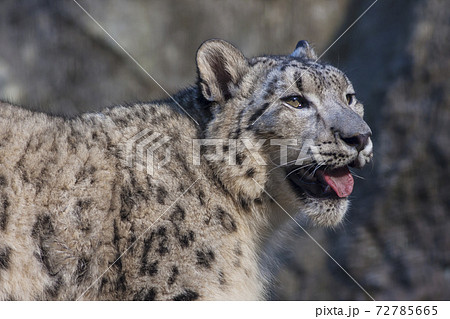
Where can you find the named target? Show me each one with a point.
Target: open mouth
(321, 183)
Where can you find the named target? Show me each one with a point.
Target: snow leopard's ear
(220, 68)
(304, 50)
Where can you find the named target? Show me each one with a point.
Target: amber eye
(297, 102)
(350, 98)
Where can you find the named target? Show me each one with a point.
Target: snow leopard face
(301, 117)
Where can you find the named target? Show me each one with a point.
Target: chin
(325, 212)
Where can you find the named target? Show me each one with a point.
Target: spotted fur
(78, 222)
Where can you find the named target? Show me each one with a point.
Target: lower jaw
(317, 194)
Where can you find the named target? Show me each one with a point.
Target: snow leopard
(174, 199)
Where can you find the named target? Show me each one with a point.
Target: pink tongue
(340, 180)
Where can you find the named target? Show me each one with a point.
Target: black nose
(358, 141)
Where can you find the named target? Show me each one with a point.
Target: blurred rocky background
(396, 239)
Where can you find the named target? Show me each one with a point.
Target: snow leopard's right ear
(220, 68)
(304, 50)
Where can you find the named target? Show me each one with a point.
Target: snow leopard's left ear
(304, 50)
(220, 68)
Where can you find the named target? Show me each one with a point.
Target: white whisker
(356, 175)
